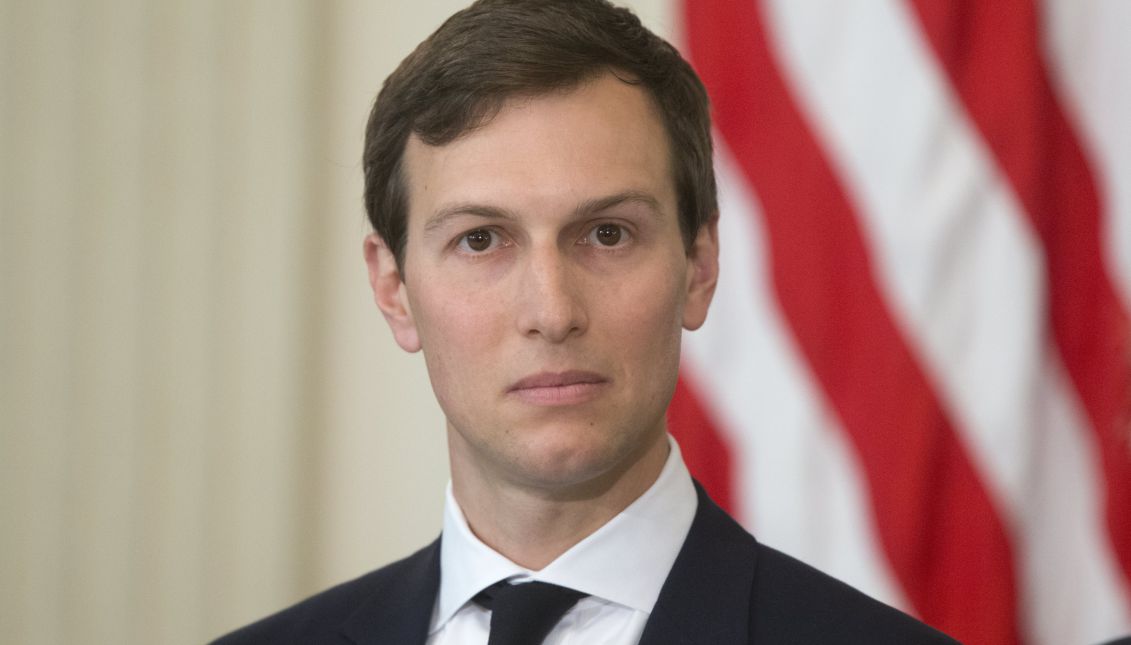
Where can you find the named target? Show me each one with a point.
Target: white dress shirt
(621, 565)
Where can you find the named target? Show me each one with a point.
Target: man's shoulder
(322, 617)
(795, 602)
(725, 574)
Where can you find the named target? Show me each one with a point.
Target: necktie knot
(524, 614)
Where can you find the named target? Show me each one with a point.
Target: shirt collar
(625, 561)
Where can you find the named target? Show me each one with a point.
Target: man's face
(547, 282)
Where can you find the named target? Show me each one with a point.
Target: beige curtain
(202, 416)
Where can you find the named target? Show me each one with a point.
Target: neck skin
(531, 526)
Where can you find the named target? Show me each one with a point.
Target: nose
(551, 299)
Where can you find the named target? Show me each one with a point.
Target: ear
(702, 274)
(389, 292)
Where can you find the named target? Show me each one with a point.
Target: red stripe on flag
(704, 450)
(993, 54)
(946, 543)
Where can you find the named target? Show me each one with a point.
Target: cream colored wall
(202, 416)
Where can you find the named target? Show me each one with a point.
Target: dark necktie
(523, 614)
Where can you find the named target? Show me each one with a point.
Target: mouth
(558, 388)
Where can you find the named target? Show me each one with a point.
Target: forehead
(547, 152)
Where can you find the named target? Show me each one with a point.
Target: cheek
(451, 313)
(648, 318)
(459, 332)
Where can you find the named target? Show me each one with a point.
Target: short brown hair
(461, 75)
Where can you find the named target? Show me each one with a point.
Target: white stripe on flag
(1089, 46)
(1074, 592)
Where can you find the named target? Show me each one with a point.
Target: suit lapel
(399, 607)
(706, 597)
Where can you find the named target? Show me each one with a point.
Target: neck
(532, 524)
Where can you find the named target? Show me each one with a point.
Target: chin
(578, 459)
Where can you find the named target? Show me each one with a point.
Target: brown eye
(478, 240)
(608, 234)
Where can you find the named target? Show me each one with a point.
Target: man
(538, 174)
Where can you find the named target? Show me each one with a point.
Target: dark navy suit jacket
(724, 589)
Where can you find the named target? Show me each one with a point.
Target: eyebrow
(586, 208)
(594, 206)
(441, 217)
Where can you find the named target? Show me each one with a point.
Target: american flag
(916, 374)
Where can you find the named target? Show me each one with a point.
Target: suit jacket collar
(707, 596)
(399, 607)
